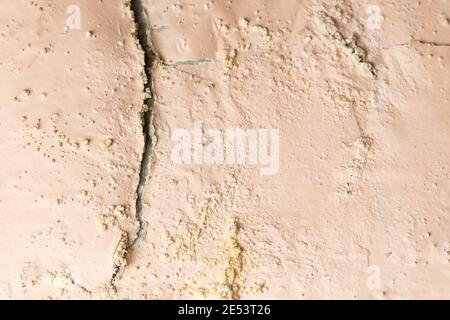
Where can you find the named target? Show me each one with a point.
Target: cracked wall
(93, 204)
(71, 144)
(325, 223)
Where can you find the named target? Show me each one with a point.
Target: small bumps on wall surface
(70, 110)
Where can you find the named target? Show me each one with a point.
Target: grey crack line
(430, 43)
(149, 59)
(434, 44)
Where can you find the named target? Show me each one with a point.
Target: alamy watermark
(232, 146)
(374, 17)
(374, 277)
(73, 22)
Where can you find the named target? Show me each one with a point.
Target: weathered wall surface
(339, 188)
(70, 144)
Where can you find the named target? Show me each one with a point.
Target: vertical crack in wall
(126, 245)
(149, 58)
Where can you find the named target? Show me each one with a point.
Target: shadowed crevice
(149, 59)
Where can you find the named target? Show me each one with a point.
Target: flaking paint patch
(349, 45)
(119, 259)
